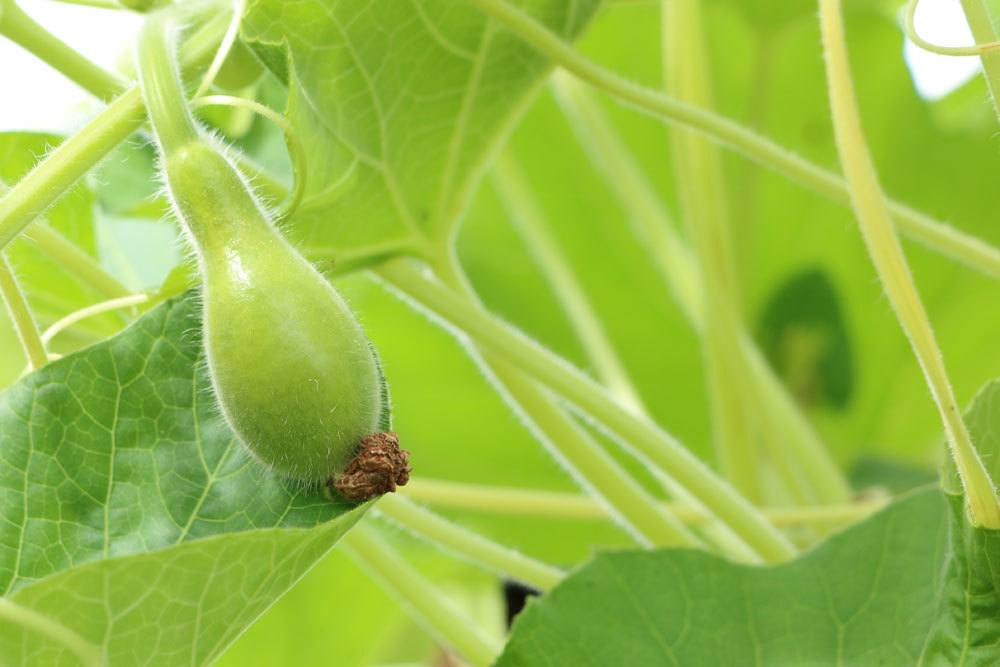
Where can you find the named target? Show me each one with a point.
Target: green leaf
(132, 515)
(913, 583)
(967, 631)
(864, 597)
(400, 104)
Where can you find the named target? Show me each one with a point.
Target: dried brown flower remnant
(379, 467)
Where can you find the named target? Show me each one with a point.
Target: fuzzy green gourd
(293, 372)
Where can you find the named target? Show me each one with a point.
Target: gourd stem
(467, 543)
(664, 451)
(937, 236)
(21, 317)
(29, 619)
(887, 256)
(418, 595)
(546, 504)
(20, 28)
(160, 81)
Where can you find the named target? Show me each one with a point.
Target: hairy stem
(594, 469)
(800, 446)
(160, 81)
(563, 505)
(937, 236)
(703, 200)
(530, 223)
(69, 256)
(887, 256)
(418, 595)
(719, 498)
(18, 27)
(73, 158)
(574, 448)
(29, 619)
(468, 544)
(21, 317)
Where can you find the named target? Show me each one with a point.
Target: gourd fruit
(293, 372)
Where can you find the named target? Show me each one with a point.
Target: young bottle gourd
(293, 372)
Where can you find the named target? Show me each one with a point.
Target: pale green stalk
(819, 472)
(661, 449)
(646, 211)
(564, 505)
(910, 28)
(921, 228)
(468, 544)
(95, 309)
(75, 261)
(887, 256)
(419, 596)
(572, 446)
(73, 158)
(29, 619)
(527, 218)
(596, 471)
(703, 201)
(21, 317)
(162, 89)
(18, 27)
(70, 257)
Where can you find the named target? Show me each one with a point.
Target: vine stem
(910, 28)
(593, 468)
(90, 311)
(801, 447)
(529, 221)
(468, 544)
(564, 505)
(70, 257)
(685, 468)
(86, 653)
(21, 317)
(977, 14)
(887, 256)
(525, 214)
(20, 28)
(704, 206)
(937, 236)
(74, 157)
(160, 82)
(429, 608)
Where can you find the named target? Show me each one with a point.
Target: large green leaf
(914, 583)
(399, 104)
(865, 597)
(123, 490)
